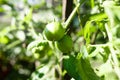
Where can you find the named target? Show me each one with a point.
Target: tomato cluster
(54, 31)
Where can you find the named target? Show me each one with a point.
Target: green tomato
(65, 44)
(54, 31)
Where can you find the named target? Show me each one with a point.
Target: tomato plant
(60, 39)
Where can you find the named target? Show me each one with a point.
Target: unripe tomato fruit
(65, 44)
(54, 31)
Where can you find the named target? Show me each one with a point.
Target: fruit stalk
(66, 24)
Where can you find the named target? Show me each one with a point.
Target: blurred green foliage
(18, 18)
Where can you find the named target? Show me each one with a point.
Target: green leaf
(98, 17)
(69, 65)
(37, 43)
(89, 28)
(105, 53)
(39, 73)
(107, 71)
(28, 15)
(79, 68)
(112, 10)
(85, 69)
(44, 72)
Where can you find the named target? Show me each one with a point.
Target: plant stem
(113, 53)
(33, 32)
(13, 44)
(66, 24)
(92, 3)
(78, 14)
(115, 60)
(108, 32)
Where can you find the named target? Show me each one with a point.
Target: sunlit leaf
(79, 68)
(69, 65)
(112, 10)
(89, 29)
(45, 72)
(98, 17)
(107, 71)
